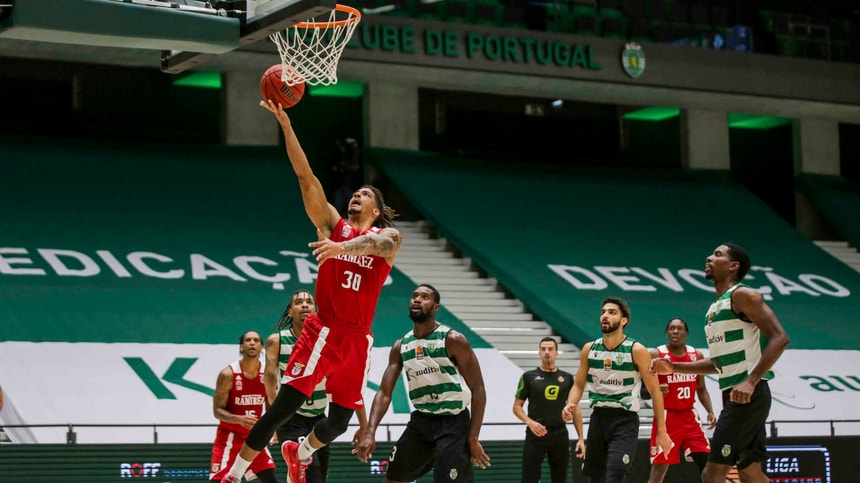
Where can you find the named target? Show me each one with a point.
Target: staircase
(476, 300)
(842, 251)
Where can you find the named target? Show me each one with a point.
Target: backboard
(259, 19)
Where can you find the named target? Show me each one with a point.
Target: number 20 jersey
(348, 286)
(682, 387)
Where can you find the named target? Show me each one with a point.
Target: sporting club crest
(633, 59)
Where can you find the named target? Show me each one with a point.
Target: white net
(311, 50)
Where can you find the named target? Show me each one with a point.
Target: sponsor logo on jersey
(345, 231)
(412, 374)
(419, 352)
(249, 400)
(365, 261)
(607, 364)
(238, 382)
(675, 377)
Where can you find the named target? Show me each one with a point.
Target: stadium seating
(681, 22)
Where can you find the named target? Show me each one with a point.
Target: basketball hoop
(310, 50)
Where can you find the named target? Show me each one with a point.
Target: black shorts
(440, 443)
(740, 435)
(611, 442)
(555, 446)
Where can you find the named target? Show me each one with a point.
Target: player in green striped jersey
(736, 323)
(444, 376)
(614, 367)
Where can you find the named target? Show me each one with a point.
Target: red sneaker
(230, 479)
(296, 468)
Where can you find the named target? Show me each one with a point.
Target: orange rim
(354, 16)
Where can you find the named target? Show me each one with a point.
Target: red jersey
(348, 286)
(682, 387)
(247, 396)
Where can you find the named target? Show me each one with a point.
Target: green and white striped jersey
(613, 381)
(734, 344)
(435, 384)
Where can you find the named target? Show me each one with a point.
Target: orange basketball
(272, 87)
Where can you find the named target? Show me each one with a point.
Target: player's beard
(419, 317)
(612, 327)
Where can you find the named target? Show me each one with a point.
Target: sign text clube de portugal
(487, 46)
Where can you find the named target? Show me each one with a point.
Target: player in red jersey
(355, 257)
(682, 421)
(238, 402)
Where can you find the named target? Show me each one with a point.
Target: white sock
(240, 466)
(306, 450)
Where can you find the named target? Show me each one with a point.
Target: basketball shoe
(230, 479)
(296, 468)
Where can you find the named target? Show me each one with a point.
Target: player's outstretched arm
(665, 366)
(321, 213)
(467, 363)
(381, 402)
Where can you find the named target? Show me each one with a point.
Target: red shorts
(686, 432)
(224, 452)
(339, 353)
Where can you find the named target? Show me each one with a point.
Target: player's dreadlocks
(386, 213)
(285, 320)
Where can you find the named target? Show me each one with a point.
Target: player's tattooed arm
(385, 244)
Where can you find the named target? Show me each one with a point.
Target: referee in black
(546, 388)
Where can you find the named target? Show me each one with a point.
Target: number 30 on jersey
(353, 281)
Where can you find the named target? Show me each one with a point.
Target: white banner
(161, 384)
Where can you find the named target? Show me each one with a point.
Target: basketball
(272, 87)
